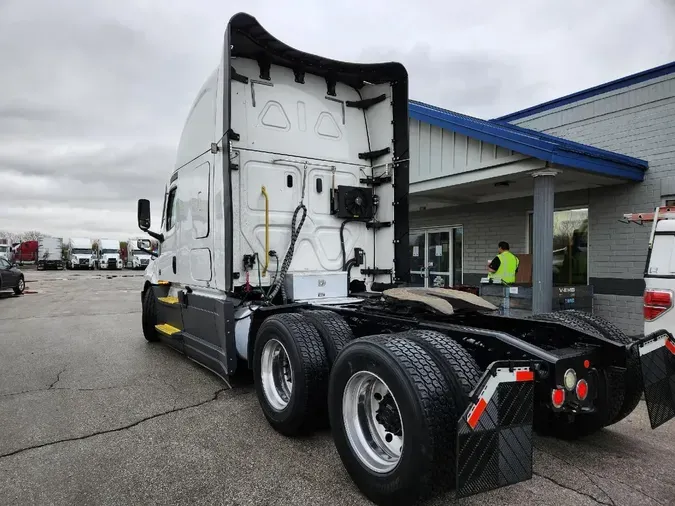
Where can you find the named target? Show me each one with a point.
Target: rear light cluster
(580, 387)
(656, 302)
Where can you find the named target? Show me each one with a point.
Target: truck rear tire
(149, 316)
(610, 397)
(291, 374)
(333, 329)
(391, 418)
(632, 380)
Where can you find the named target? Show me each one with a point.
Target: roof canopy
(535, 144)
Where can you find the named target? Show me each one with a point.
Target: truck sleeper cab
(283, 249)
(80, 254)
(108, 254)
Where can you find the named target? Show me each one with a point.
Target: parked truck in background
(26, 252)
(80, 254)
(136, 257)
(50, 253)
(4, 248)
(108, 254)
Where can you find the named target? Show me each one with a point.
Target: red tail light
(656, 302)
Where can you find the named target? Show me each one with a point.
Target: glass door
(417, 258)
(436, 257)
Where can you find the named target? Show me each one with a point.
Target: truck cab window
(171, 209)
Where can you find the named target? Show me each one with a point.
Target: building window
(570, 246)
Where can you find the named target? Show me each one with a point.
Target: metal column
(542, 241)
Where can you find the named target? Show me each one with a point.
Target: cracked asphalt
(90, 413)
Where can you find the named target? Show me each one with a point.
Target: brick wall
(637, 121)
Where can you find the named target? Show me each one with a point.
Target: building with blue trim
(552, 179)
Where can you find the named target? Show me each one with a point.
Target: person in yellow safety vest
(504, 265)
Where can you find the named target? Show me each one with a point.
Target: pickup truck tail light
(656, 302)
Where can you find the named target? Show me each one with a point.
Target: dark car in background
(11, 277)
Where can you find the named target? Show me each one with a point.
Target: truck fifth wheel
(283, 248)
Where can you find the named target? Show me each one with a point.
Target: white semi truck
(80, 254)
(138, 258)
(50, 253)
(108, 254)
(283, 248)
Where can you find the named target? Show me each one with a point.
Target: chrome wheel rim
(276, 375)
(372, 422)
(21, 285)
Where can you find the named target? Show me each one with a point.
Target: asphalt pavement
(90, 413)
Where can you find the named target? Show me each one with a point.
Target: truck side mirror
(144, 214)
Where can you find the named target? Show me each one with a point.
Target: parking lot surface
(93, 414)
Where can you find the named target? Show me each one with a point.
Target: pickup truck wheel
(609, 400)
(149, 316)
(291, 374)
(632, 379)
(20, 287)
(333, 329)
(390, 416)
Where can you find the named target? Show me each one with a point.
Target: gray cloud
(93, 95)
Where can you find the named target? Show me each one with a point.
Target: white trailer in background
(108, 254)
(50, 253)
(80, 254)
(136, 257)
(4, 248)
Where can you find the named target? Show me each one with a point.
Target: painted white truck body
(297, 142)
(109, 254)
(80, 253)
(136, 258)
(4, 249)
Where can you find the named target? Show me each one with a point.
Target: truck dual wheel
(149, 316)
(609, 401)
(393, 414)
(333, 330)
(291, 370)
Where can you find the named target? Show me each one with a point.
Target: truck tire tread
(149, 316)
(333, 329)
(308, 406)
(434, 466)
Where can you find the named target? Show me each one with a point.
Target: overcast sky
(94, 93)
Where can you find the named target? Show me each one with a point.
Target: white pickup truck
(659, 273)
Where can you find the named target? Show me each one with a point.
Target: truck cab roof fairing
(248, 39)
(245, 37)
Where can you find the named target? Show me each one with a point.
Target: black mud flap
(494, 435)
(657, 362)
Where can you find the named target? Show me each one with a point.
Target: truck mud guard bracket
(494, 435)
(657, 364)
